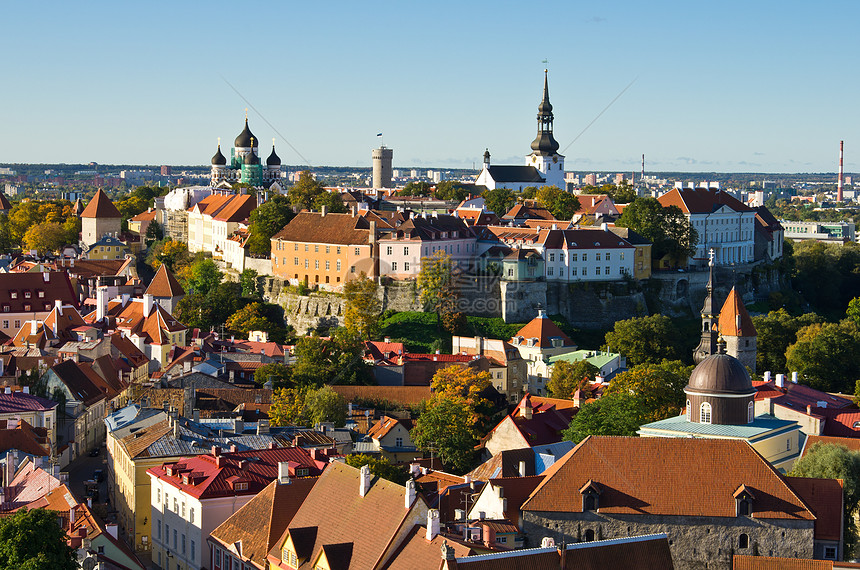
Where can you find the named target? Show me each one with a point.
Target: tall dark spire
(545, 144)
(708, 345)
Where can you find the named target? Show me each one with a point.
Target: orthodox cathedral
(544, 166)
(245, 165)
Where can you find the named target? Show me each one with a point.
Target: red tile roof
(799, 396)
(852, 443)
(516, 490)
(313, 227)
(418, 553)
(743, 562)
(734, 318)
(100, 207)
(24, 437)
(208, 476)
(824, 498)
(543, 329)
(164, 284)
(667, 476)
(701, 200)
(43, 288)
(147, 216)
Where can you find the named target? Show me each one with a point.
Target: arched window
(705, 413)
(750, 412)
(743, 541)
(589, 535)
(689, 412)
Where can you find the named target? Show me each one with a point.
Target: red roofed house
(535, 421)
(139, 223)
(500, 501)
(100, 217)
(32, 296)
(165, 289)
(191, 497)
(723, 223)
(713, 497)
(537, 341)
(817, 413)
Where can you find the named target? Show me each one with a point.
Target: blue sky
(722, 86)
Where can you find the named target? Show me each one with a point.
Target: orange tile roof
(385, 424)
(667, 476)
(313, 227)
(701, 200)
(824, 498)
(734, 318)
(147, 216)
(261, 521)
(418, 553)
(100, 207)
(852, 443)
(543, 329)
(743, 562)
(164, 284)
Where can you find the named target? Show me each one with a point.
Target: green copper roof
(678, 426)
(597, 358)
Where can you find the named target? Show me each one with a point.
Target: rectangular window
(306, 247)
(622, 255)
(549, 271)
(191, 518)
(405, 266)
(158, 530)
(5, 324)
(338, 250)
(306, 264)
(584, 271)
(295, 247)
(584, 257)
(158, 497)
(393, 266)
(573, 271)
(598, 257)
(183, 509)
(389, 250)
(597, 271)
(357, 251)
(316, 249)
(175, 505)
(316, 263)
(295, 261)
(175, 534)
(192, 548)
(167, 534)
(552, 257)
(183, 544)
(574, 256)
(327, 265)
(328, 249)
(405, 251)
(337, 265)
(607, 256)
(607, 270)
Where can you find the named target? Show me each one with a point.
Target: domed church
(245, 165)
(720, 400)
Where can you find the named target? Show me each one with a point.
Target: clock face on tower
(555, 159)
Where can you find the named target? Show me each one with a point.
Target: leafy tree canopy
(363, 306)
(827, 275)
(646, 339)
(562, 204)
(437, 289)
(499, 200)
(173, 254)
(337, 360)
(825, 356)
(613, 414)
(266, 220)
(658, 388)
(776, 332)
(415, 189)
(568, 377)
(325, 405)
(446, 428)
(379, 466)
(450, 190)
(250, 282)
(280, 375)
(309, 194)
(259, 317)
(47, 237)
(32, 540)
(201, 277)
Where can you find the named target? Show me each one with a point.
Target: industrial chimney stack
(839, 183)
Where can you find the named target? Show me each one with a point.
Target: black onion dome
(720, 374)
(274, 159)
(245, 138)
(252, 158)
(218, 159)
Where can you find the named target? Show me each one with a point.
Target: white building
(723, 223)
(213, 220)
(544, 166)
(400, 253)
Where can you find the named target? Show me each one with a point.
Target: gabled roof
(313, 227)
(100, 207)
(543, 329)
(824, 499)
(5, 204)
(164, 284)
(505, 464)
(263, 519)
(384, 426)
(745, 562)
(43, 288)
(701, 200)
(581, 238)
(20, 402)
(524, 174)
(525, 212)
(418, 553)
(78, 382)
(146, 216)
(667, 476)
(334, 513)
(734, 318)
(24, 437)
(516, 491)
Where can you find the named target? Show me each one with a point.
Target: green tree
(646, 339)
(250, 282)
(265, 221)
(853, 311)
(615, 414)
(32, 540)
(667, 228)
(658, 388)
(827, 275)
(204, 276)
(46, 237)
(337, 360)
(829, 461)
(825, 356)
(529, 193)
(568, 377)
(131, 206)
(173, 254)
(304, 193)
(415, 189)
(450, 190)
(287, 407)
(499, 200)
(280, 375)
(325, 405)
(154, 233)
(379, 466)
(446, 426)
(562, 204)
(437, 290)
(776, 331)
(363, 306)
(257, 317)
(621, 193)
(331, 201)
(5, 234)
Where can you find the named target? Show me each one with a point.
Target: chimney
(284, 473)
(112, 529)
(432, 524)
(794, 377)
(839, 183)
(414, 469)
(72, 517)
(238, 426)
(148, 301)
(195, 415)
(527, 410)
(175, 428)
(780, 380)
(364, 480)
(809, 409)
(489, 536)
(101, 303)
(522, 469)
(34, 327)
(125, 298)
(410, 493)
(324, 211)
(562, 555)
(58, 304)
(216, 451)
(26, 389)
(767, 376)
(262, 427)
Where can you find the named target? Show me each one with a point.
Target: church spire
(708, 344)
(545, 144)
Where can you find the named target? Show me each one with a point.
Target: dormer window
(13, 294)
(27, 294)
(40, 293)
(744, 501)
(590, 496)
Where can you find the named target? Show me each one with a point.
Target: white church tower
(544, 154)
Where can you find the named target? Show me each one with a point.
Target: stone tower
(382, 158)
(100, 217)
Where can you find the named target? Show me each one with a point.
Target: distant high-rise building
(382, 158)
(165, 170)
(591, 179)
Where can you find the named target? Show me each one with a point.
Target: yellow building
(642, 255)
(108, 247)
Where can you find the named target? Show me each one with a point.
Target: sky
(725, 86)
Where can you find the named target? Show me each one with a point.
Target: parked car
(99, 475)
(95, 452)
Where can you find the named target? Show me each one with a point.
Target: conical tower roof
(79, 207)
(544, 143)
(100, 207)
(5, 205)
(164, 284)
(734, 318)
